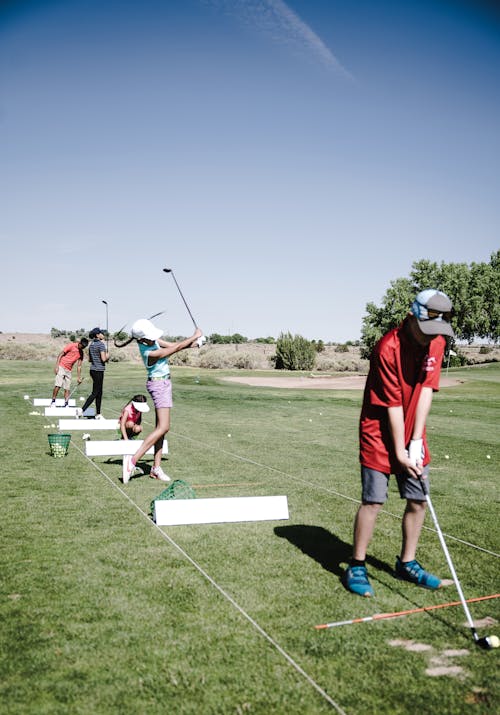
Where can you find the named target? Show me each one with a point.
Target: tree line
(473, 289)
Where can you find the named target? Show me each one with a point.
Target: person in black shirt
(98, 357)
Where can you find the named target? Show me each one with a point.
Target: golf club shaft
(127, 342)
(450, 562)
(75, 387)
(169, 270)
(107, 326)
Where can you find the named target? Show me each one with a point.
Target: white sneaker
(78, 412)
(158, 473)
(128, 468)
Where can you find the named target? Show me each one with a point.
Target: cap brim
(154, 334)
(436, 327)
(141, 406)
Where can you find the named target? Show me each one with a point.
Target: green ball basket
(59, 444)
(179, 489)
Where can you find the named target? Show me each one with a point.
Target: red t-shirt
(71, 354)
(399, 368)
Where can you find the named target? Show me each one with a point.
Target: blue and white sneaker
(356, 580)
(415, 573)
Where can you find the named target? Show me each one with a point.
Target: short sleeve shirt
(160, 368)
(97, 347)
(71, 354)
(399, 369)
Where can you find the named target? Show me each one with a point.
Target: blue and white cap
(432, 309)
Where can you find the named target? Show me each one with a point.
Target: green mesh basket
(179, 489)
(59, 444)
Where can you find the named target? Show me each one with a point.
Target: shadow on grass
(328, 550)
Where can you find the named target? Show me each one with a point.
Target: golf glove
(416, 451)
(201, 341)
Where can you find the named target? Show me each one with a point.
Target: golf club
(75, 387)
(201, 340)
(170, 270)
(107, 326)
(488, 642)
(129, 340)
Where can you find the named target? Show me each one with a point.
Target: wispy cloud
(277, 19)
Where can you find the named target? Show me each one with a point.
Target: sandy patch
(349, 382)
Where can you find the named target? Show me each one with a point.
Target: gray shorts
(375, 486)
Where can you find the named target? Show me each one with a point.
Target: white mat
(84, 425)
(46, 401)
(111, 448)
(173, 512)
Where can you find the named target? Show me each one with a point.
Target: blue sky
(288, 160)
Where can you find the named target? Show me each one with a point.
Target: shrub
(214, 360)
(180, 358)
(294, 353)
(244, 362)
(343, 348)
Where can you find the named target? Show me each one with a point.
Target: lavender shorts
(161, 392)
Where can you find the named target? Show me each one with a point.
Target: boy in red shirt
(404, 372)
(70, 354)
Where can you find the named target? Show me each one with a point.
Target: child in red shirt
(404, 372)
(131, 416)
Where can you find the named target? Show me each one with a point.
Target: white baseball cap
(144, 329)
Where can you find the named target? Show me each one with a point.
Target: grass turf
(103, 612)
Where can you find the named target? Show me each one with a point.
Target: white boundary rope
(223, 593)
(324, 489)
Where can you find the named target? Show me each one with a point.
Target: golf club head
(167, 270)
(486, 643)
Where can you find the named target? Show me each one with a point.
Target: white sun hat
(144, 329)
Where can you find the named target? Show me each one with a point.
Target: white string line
(314, 485)
(223, 593)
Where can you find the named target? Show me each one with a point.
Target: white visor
(141, 406)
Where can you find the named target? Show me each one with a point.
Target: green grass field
(104, 612)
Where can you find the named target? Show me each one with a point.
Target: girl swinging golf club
(155, 353)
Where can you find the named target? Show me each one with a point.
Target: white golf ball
(310, 420)
(229, 435)
(488, 456)
(494, 641)
(446, 456)
(26, 397)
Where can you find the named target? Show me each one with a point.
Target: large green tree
(474, 290)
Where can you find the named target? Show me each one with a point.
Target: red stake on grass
(398, 614)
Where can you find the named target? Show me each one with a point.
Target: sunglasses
(435, 314)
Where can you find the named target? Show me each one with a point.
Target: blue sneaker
(412, 571)
(356, 580)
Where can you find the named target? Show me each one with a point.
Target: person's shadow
(324, 547)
